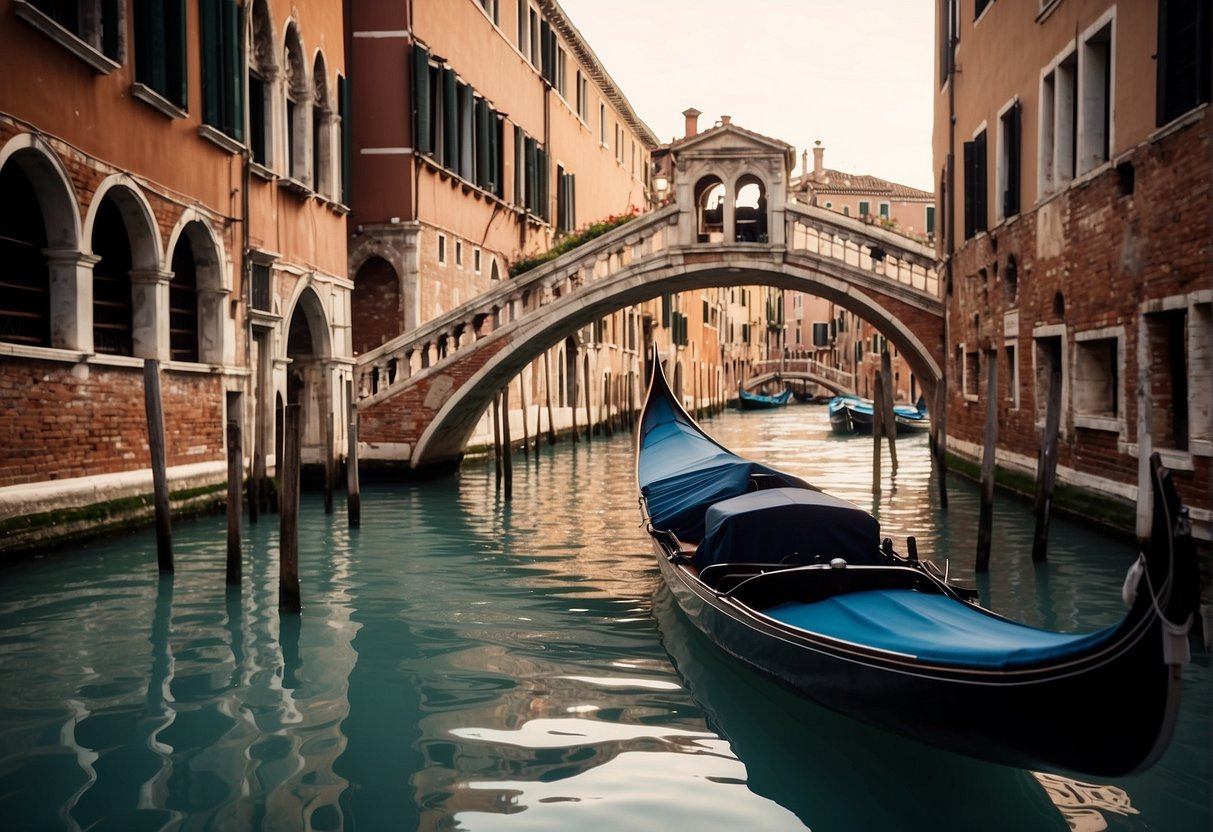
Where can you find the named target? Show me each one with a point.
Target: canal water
(464, 663)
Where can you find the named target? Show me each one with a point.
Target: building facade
(1072, 148)
(171, 188)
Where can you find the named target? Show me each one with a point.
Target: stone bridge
(424, 392)
(802, 369)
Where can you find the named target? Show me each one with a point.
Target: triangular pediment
(729, 140)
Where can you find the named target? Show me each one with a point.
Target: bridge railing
(808, 366)
(390, 365)
(861, 245)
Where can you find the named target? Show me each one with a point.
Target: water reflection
(462, 662)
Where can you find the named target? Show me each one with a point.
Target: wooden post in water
(589, 418)
(508, 462)
(497, 437)
(235, 476)
(329, 474)
(877, 427)
(156, 447)
(353, 503)
(1046, 468)
(547, 389)
(526, 439)
(985, 524)
(890, 421)
(288, 501)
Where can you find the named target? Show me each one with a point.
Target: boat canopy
(682, 471)
(788, 525)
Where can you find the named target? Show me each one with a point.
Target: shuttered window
(1008, 174)
(975, 185)
(1184, 58)
(222, 53)
(160, 48)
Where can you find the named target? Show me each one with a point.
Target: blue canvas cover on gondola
(682, 472)
(787, 525)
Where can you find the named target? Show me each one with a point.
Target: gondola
(757, 401)
(853, 414)
(797, 584)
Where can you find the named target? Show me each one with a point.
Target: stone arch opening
(196, 250)
(129, 291)
(308, 351)
(709, 209)
(25, 304)
(377, 304)
(750, 210)
(297, 95)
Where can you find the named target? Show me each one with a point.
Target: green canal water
(466, 663)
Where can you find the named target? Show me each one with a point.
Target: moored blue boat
(757, 401)
(798, 584)
(853, 414)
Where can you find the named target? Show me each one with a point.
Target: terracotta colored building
(1075, 167)
(485, 132)
(171, 188)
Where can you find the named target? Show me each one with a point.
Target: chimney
(692, 116)
(726, 120)
(804, 164)
(818, 161)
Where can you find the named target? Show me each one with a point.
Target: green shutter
(234, 118)
(209, 12)
(482, 142)
(450, 120)
(422, 109)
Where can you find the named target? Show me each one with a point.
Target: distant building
(171, 188)
(820, 329)
(484, 133)
(1073, 156)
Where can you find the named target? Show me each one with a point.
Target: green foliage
(571, 241)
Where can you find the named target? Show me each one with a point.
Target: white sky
(856, 74)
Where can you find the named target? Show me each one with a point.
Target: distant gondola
(852, 414)
(797, 584)
(757, 401)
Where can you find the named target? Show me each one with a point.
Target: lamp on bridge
(661, 184)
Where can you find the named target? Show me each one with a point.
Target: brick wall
(58, 425)
(1087, 259)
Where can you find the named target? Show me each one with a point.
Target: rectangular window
(821, 334)
(1058, 124)
(476, 260)
(975, 185)
(583, 95)
(1184, 58)
(222, 47)
(459, 254)
(930, 220)
(1095, 106)
(884, 210)
(524, 40)
(1096, 386)
(865, 208)
(1008, 160)
(1169, 422)
(1011, 351)
(262, 298)
(561, 70)
(566, 201)
(160, 48)
(972, 375)
(441, 249)
(1200, 371)
(347, 145)
(1050, 360)
(602, 134)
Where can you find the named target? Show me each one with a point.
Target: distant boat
(757, 401)
(799, 585)
(852, 414)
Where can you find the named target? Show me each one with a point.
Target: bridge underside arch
(793, 375)
(456, 396)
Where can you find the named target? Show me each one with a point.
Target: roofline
(585, 55)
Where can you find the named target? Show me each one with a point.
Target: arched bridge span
(426, 391)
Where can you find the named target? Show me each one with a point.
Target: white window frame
(1041, 396)
(1115, 423)
(441, 249)
(1003, 162)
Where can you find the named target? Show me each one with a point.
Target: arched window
(297, 112)
(262, 70)
(183, 303)
(709, 209)
(25, 310)
(322, 122)
(750, 211)
(112, 313)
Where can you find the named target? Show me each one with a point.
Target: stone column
(149, 313)
(71, 298)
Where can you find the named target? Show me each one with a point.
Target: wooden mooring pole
(353, 502)
(589, 417)
(547, 388)
(890, 420)
(288, 501)
(985, 523)
(235, 476)
(877, 427)
(329, 472)
(506, 449)
(1046, 468)
(497, 437)
(526, 439)
(156, 447)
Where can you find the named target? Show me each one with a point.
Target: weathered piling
(1046, 468)
(547, 387)
(497, 438)
(589, 419)
(890, 420)
(526, 439)
(353, 503)
(156, 447)
(235, 475)
(288, 512)
(877, 426)
(985, 522)
(328, 463)
(506, 445)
